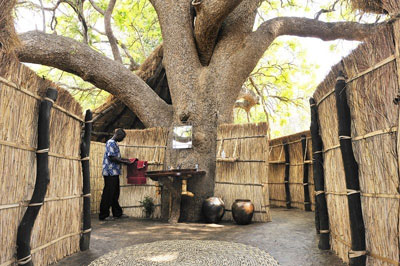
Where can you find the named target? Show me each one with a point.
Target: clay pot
(213, 209)
(242, 211)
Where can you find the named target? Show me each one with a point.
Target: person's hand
(127, 162)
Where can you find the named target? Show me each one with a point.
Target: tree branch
(322, 11)
(234, 29)
(180, 60)
(98, 9)
(326, 31)
(255, 44)
(242, 18)
(209, 17)
(78, 8)
(79, 59)
(259, 92)
(133, 64)
(43, 16)
(109, 32)
(175, 21)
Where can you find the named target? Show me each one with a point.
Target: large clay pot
(242, 211)
(213, 209)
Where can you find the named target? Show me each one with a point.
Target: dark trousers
(110, 197)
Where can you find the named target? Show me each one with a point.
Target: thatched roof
(377, 6)
(115, 114)
(8, 38)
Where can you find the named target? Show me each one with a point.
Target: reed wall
(147, 145)
(57, 229)
(276, 171)
(245, 177)
(242, 174)
(372, 84)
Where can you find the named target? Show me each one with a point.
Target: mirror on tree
(182, 137)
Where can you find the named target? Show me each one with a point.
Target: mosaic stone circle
(187, 252)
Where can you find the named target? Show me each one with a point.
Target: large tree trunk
(202, 115)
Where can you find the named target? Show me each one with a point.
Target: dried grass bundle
(246, 177)
(376, 6)
(370, 98)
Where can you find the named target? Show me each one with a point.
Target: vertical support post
(319, 182)
(85, 151)
(42, 180)
(307, 202)
(287, 172)
(316, 216)
(357, 254)
(396, 33)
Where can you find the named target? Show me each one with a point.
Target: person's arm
(116, 159)
(112, 152)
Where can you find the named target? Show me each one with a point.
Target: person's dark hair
(120, 132)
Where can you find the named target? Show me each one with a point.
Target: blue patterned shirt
(110, 167)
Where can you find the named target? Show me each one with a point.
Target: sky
(317, 52)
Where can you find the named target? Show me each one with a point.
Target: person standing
(111, 171)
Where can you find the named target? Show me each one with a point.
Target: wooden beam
(321, 208)
(85, 151)
(357, 254)
(42, 180)
(307, 202)
(287, 173)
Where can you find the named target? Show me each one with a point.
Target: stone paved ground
(290, 238)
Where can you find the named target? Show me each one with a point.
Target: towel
(136, 172)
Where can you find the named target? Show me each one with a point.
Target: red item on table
(136, 172)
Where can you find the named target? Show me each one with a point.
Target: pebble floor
(290, 239)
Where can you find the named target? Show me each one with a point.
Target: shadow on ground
(290, 238)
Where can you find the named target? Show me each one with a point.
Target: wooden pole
(85, 151)
(357, 254)
(42, 180)
(307, 202)
(316, 216)
(287, 172)
(319, 182)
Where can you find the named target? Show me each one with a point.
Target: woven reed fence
(242, 174)
(57, 228)
(244, 177)
(372, 83)
(148, 145)
(298, 163)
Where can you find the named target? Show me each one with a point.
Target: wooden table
(176, 182)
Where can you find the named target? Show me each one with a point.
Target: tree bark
(110, 35)
(202, 115)
(209, 18)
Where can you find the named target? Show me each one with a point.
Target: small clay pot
(242, 211)
(213, 209)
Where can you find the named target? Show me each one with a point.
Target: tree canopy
(136, 29)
